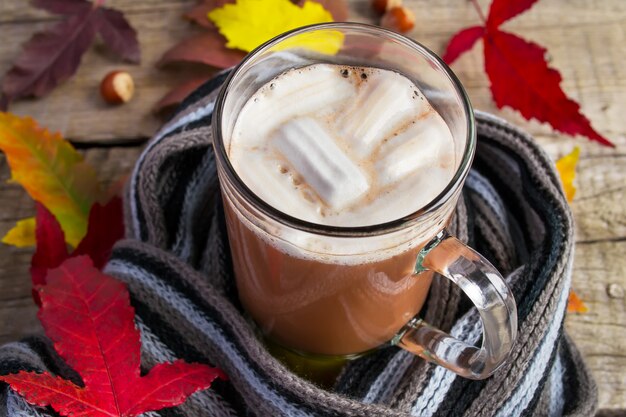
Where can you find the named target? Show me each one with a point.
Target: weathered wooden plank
(599, 206)
(451, 13)
(18, 319)
(599, 276)
(17, 11)
(600, 334)
(584, 44)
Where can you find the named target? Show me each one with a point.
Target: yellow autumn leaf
(51, 171)
(248, 23)
(566, 167)
(22, 234)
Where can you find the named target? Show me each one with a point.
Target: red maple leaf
(519, 74)
(88, 316)
(51, 249)
(105, 227)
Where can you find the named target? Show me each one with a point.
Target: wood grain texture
(599, 276)
(18, 11)
(584, 39)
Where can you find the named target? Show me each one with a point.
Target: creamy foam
(342, 146)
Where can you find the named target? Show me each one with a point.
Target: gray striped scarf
(175, 261)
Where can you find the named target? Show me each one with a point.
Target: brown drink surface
(319, 307)
(344, 159)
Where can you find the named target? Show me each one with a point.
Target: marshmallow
(312, 151)
(382, 105)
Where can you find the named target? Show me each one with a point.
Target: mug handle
(486, 288)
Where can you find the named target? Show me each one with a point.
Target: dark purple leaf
(199, 13)
(64, 7)
(207, 48)
(118, 35)
(50, 57)
(179, 93)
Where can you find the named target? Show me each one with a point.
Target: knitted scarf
(176, 262)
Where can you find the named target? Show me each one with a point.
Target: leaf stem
(479, 11)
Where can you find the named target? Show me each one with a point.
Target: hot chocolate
(339, 146)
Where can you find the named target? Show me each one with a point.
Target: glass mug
(365, 289)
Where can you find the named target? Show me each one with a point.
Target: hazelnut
(381, 6)
(399, 19)
(117, 87)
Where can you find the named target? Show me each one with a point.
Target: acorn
(117, 87)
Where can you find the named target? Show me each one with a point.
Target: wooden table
(585, 41)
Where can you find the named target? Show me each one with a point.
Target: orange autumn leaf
(51, 171)
(575, 304)
(566, 167)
